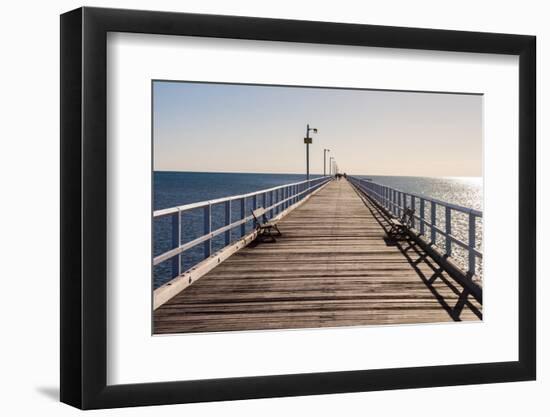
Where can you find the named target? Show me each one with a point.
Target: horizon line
(319, 174)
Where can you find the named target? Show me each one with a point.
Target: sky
(249, 128)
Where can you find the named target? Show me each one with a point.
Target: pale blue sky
(245, 128)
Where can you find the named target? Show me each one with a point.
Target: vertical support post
(413, 207)
(264, 203)
(433, 221)
(176, 242)
(227, 222)
(254, 202)
(422, 209)
(271, 202)
(401, 202)
(288, 194)
(397, 203)
(471, 244)
(243, 215)
(448, 241)
(307, 155)
(207, 230)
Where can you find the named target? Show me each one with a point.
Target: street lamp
(325, 161)
(330, 165)
(308, 141)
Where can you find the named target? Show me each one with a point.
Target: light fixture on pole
(325, 161)
(308, 141)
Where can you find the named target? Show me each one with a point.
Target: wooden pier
(333, 266)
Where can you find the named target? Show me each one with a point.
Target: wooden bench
(265, 228)
(399, 226)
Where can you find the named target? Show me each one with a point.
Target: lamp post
(325, 161)
(330, 165)
(307, 141)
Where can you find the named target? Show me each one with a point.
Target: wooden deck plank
(332, 267)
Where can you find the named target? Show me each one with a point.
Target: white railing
(275, 200)
(395, 201)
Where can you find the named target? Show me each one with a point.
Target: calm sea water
(177, 188)
(464, 191)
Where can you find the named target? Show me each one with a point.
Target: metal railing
(275, 200)
(395, 201)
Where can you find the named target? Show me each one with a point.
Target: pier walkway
(333, 266)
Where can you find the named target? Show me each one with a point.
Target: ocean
(178, 188)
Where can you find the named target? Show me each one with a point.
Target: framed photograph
(257, 208)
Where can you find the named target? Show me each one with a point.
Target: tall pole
(307, 141)
(307, 152)
(330, 165)
(325, 161)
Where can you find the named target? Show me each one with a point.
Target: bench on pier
(265, 228)
(399, 226)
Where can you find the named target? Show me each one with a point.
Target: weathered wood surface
(332, 267)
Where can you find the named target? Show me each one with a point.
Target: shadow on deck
(416, 255)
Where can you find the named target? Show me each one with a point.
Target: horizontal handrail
(394, 201)
(199, 204)
(453, 206)
(280, 198)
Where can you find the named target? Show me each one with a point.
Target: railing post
(422, 209)
(243, 215)
(397, 203)
(271, 200)
(413, 207)
(288, 196)
(264, 202)
(471, 244)
(433, 221)
(398, 206)
(207, 230)
(448, 241)
(228, 222)
(176, 242)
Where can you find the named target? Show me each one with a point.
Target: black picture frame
(84, 207)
